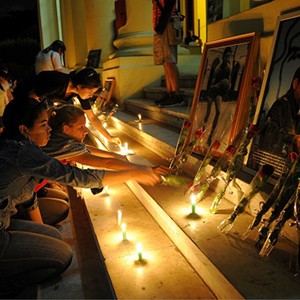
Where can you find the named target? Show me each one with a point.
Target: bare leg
(172, 77)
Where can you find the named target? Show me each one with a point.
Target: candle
(139, 251)
(193, 203)
(125, 148)
(105, 189)
(140, 117)
(119, 217)
(124, 231)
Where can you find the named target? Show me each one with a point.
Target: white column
(136, 36)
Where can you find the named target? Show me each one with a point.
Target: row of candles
(124, 234)
(139, 245)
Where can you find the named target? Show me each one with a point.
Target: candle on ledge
(139, 251)
(193, 203)
(105, 189)
(119, 217)
(124, 231)
(125, 148)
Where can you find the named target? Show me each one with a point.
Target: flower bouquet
(256, 184)
(288, 188)
(235, 164)
(286, 213)
(199, 188)
(176, 162)
(186, 150)
(175, 180)
(277, 190)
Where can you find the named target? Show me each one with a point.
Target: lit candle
(119, 217)
(105, 189)
(124, 231)
(193, 203)
(139, 251)
(140, 117)
(125, 148)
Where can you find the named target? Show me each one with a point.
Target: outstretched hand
(161, 170)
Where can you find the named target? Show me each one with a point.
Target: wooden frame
(235, 107)
(109, 85)
(283, 61)
(93, 59)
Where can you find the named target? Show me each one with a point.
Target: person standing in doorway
(164, 53)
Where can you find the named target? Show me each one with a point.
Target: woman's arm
(96, 122)
(110, 163)
(144, 175)
(103, 153)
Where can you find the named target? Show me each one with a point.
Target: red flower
(256, 82)
(186, 124)
(230, 150)
(292, 156)
(216, 144)
(199, 133)
(253, 130)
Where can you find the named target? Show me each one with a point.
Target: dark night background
(19, 36)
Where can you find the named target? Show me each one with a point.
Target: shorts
(162, 51)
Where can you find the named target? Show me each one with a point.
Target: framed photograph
(221, 102)
(94, 58)
(277, 113)
(103, 97)
(109, 85)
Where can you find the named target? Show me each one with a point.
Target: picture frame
(284, 60)
(103, 97)
(93, 59)
(109, 85)
(234, 107)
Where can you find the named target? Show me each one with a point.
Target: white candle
(126, 148)
(119, 217)
(105, 189)
(139, 251)
(124, 231)
(193, 203)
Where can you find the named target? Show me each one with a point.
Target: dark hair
(227, 49)
(86, 77)
(56, 46)
(297, 74)
(17, 113)
(64, 115)
(4, 72)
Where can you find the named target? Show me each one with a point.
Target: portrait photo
(277, 114)
(221, 102)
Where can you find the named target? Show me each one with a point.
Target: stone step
(185, 81)
(172, 116)
(155, 93)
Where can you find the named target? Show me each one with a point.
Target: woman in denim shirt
(31, 252)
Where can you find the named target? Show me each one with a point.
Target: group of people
(39, 144)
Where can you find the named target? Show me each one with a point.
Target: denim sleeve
(32, 161)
